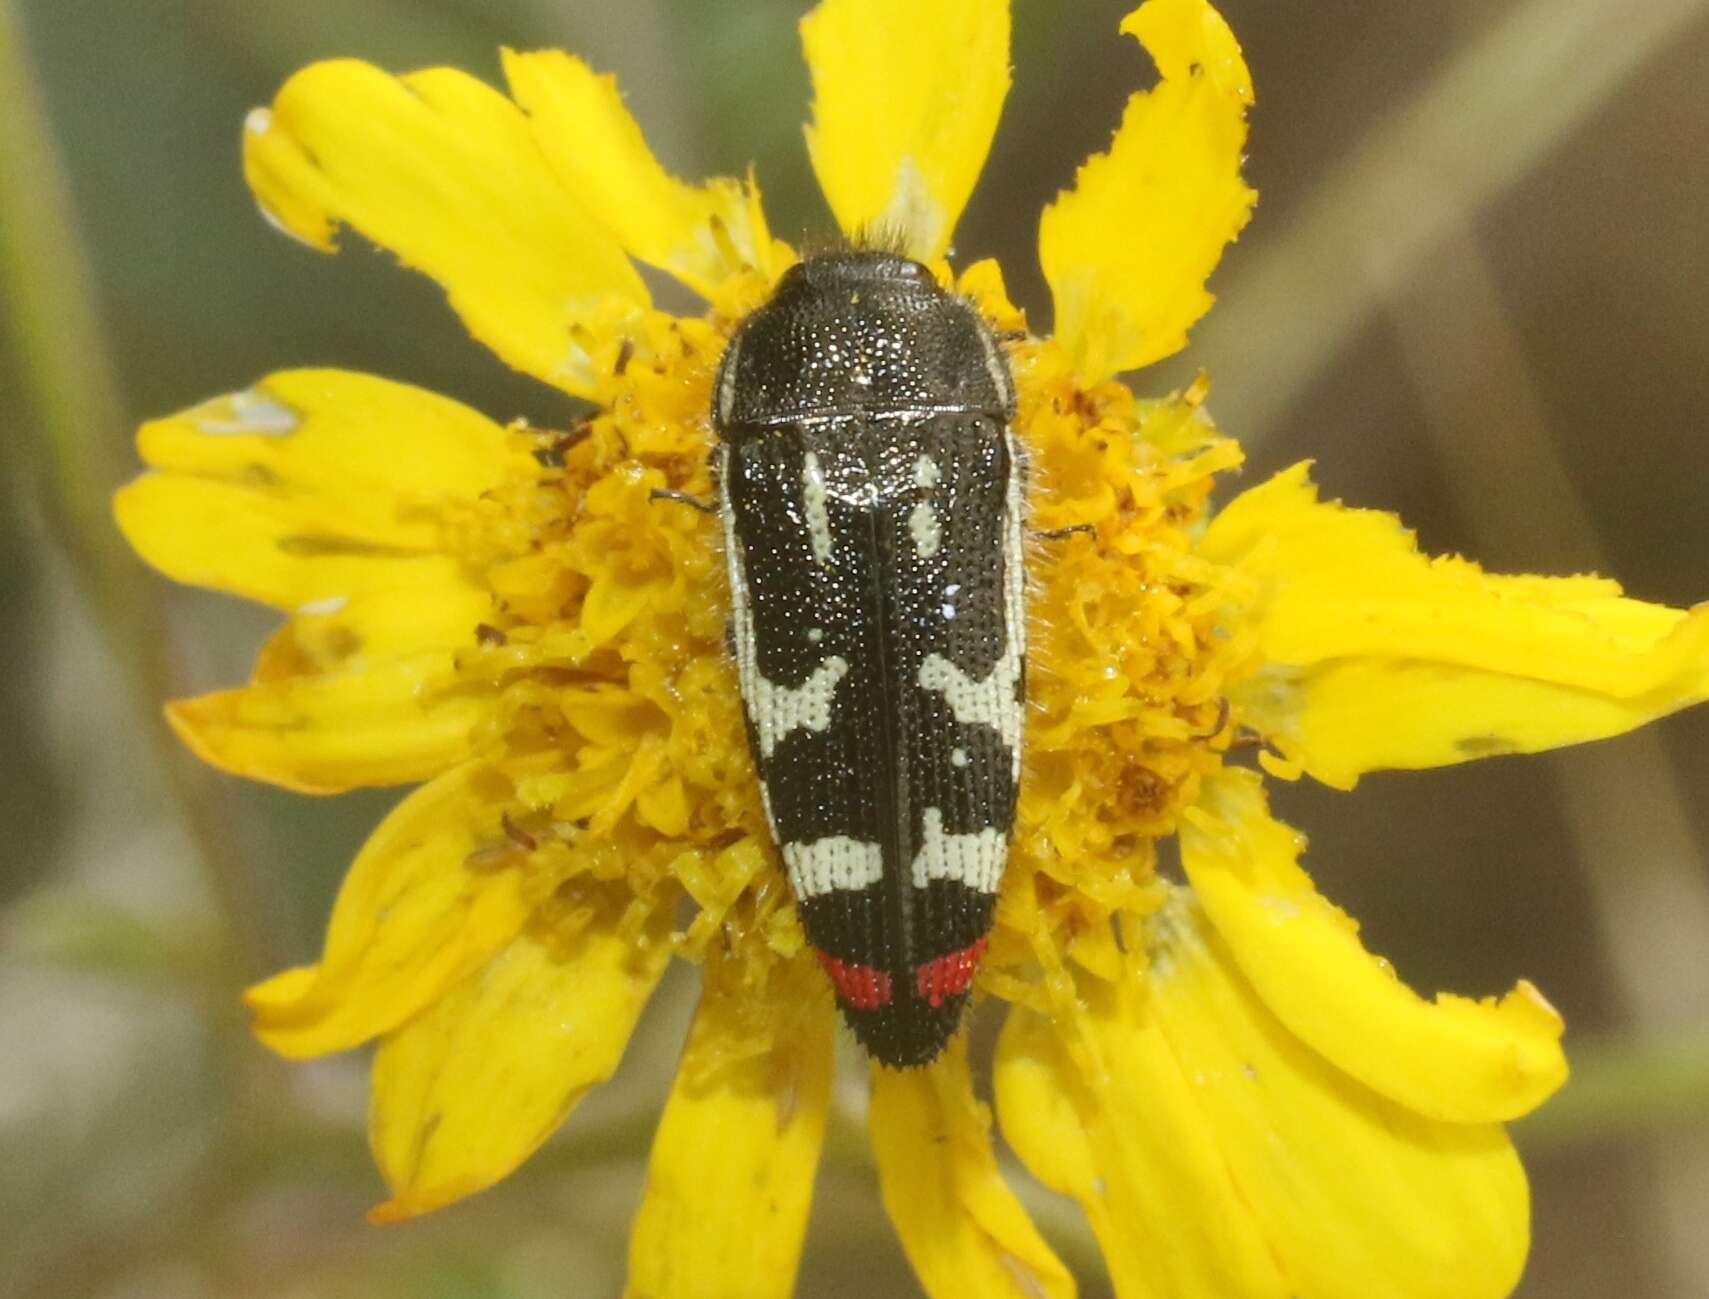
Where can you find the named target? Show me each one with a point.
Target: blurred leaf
(1619, 1088)
(32, 796)
(51, 312)
(92, 935)
(1503, 103)
(111, 1128)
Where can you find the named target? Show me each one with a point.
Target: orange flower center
(619, 723)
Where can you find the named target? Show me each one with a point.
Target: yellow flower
(1243, 1101)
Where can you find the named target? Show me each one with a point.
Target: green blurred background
(1474, 290)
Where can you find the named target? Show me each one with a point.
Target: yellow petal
(963, 1228)
(445, 172)
(373, 627)
(397, 722)
(1358, 1198)
(373, 444)
(1378, 656)
(468, 1089)
(314, 489)
(731, 1174)
(613, 601)
(700, 233)
(1096, 1105)
(413, 916)
(267, 544)
(1128, 249)
(664, 807)
(906, 96)
(1453, 1059)
(363, 692)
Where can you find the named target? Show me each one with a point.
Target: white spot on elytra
(774, 710)
(991, 700)
(923, 527)
(251, 411)
(958, 757)
(778, 710)
(974, 702)
(815, 635)
(330, 605)
(974, 859)
(923, 519)
(834, 862)
(813, 501)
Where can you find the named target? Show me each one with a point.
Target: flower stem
(73, 421)
(1492, 114)
(1622, 1088)
(1627, 809)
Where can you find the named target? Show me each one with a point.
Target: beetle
(872, 498)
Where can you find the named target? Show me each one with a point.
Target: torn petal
(1452, 1059)
(313, 489)
(336, 432)
(1378, 656)
(1127, 251)
(445, 172)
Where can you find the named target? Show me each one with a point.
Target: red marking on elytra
(945, 976)
(860, 987)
